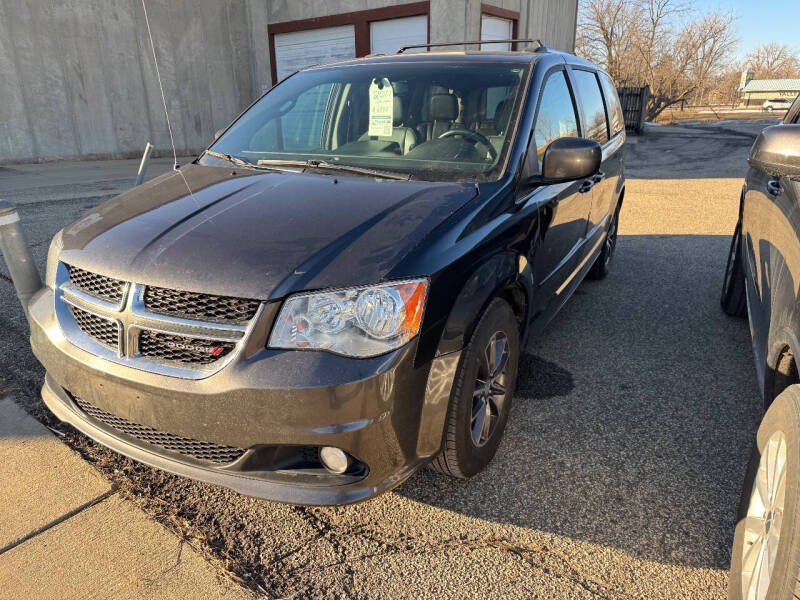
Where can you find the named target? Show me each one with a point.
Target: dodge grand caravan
(338, 290)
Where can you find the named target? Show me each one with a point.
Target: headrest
(443, 107)
(398, 111)
(502, 114)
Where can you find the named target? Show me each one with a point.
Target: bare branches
(773, 61)
(659, 43)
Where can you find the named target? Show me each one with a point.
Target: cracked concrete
(66, 533)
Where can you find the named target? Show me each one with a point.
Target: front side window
(437, 121)
(556, 116)
(594, 112)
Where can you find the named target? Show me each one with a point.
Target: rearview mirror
(571, 159)
(777, 151)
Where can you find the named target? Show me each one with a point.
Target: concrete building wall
(78, 79)
(552, 21)
(281, 11)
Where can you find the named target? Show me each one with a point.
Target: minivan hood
(258, 234)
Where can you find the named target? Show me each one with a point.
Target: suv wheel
(482, 393)
(733, 299)
(602, 265)
(766, 546)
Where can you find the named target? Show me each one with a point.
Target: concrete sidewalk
(65, 532)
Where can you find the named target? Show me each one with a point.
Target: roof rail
(529, 41)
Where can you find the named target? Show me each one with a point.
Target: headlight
(359, 322)
(52, 259)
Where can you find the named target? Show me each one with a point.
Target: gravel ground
(620, 471)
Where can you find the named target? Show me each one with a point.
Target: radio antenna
(175, 164)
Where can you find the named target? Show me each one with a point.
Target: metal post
(143, 165)
(17, 255)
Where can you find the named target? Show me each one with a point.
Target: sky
(762, 21)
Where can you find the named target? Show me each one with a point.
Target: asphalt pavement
(620, 471)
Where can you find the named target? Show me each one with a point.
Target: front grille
(101, 330)
(99, 286)
(200, 450)
(174, 348)
(204, 307)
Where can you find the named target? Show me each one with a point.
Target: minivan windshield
(429, 120)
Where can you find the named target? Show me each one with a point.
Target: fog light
(335, 460)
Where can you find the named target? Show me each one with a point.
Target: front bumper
(386, 412)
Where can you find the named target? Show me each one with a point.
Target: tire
(779, 429)
(602, 265)
(733, 298)
(463, 455)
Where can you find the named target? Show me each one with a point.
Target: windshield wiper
(235, 160)
(321, 164)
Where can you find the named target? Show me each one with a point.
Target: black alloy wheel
(490, 389)
(482, 392)
(602, 265)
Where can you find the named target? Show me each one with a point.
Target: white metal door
(386, 37)
(300, 49)
(495, 28)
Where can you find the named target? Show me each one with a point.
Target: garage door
(495, 28)
(386, 37)
(300, 49)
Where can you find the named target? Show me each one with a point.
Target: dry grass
(676, 115)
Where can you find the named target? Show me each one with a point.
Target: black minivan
(337, 291)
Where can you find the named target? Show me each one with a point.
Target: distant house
(754, 92)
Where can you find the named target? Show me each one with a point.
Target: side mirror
(218, 133)
(777, 151)
(570, 159)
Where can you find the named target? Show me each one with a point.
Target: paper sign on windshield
(381, 108)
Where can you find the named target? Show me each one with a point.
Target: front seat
(442, 111)
(406, 137)
(502, 116)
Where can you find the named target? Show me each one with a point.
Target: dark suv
(337, 291)
(762, 281)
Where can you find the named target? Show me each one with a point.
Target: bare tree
(773, 61)
(659, 43)
(604, 32)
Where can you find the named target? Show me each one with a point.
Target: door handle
(599, 177)
(774, 187)
(586, 186)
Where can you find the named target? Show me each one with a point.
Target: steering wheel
(472, 136)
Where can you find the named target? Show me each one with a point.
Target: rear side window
(587, 89)
(556, 117)
(494, 96)
(616, 119)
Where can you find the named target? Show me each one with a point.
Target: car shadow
(633, 417)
